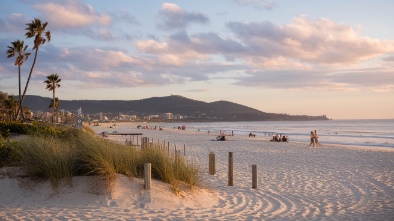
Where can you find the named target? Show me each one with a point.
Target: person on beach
(316, 138)
(277, 138)
(313, 140)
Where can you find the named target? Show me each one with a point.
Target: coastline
(133, 128)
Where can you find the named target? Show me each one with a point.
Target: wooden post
(168, 148)
(212, 164)
(254, 176)
(184, 149)
(230, 169)
(143, 142)
(147, 175)
(146, 142)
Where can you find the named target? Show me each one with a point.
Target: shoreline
(265, 138)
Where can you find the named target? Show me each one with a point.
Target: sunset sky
(330, 57)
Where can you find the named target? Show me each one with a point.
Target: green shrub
(8, 154)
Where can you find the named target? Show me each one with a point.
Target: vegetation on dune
(57, 153)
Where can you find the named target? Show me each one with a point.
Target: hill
(192, 109)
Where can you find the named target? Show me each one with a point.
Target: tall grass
(59, 153)
(107, 159)
(48, 158)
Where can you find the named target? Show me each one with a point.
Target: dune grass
(107, 159)
(62, 153)
(49, 158)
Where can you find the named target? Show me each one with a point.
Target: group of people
(314, 139)
(280, 138)
(149, 127)
(252, 134)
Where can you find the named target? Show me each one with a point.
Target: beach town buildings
(167, 116)
(178, 117)
(126, 117)
(71, 116)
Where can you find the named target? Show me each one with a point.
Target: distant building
(79, 111)
(178, 117)
(153, 117)
(168, 116)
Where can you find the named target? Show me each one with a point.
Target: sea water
(379, 133)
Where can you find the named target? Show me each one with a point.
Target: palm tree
(10, 105)
(55, 105)
(3, 110)
(18, 49)
(53, 83)
(35, 29)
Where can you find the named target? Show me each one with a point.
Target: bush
(8, 154)
(38, 129)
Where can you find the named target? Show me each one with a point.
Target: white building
(79, 111)
(168, 116)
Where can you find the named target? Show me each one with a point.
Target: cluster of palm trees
(36, 29)
(8, 108)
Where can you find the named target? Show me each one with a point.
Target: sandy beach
(294, 183)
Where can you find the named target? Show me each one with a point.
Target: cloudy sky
(329, 57)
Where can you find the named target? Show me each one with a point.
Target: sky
(327, 57)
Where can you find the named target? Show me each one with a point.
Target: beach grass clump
(161, 163)
(186, 172)
(48, 158)
(58, 152)
(170, 169)
(106, 159)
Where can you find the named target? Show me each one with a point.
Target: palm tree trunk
(27, 83)
(20, 98)
(53, 106)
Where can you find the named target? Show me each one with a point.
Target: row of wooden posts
(212, 171)
(145, 143)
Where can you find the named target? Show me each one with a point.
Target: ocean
(375, 133)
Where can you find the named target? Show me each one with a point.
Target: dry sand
(294, 183)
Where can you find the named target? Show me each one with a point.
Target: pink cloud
(319, 41)
(71, 14)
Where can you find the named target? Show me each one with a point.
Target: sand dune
(294, 183)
